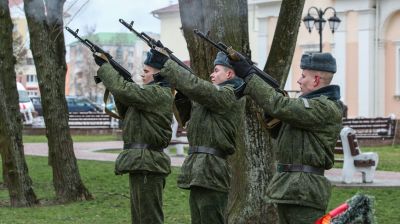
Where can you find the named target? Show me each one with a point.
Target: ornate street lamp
(319, 22)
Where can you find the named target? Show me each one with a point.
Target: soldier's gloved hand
(100, 58)
(158, 58)
(243, 69)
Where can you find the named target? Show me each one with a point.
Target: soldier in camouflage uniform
(147, 114)
(213, 127)
(307, 137)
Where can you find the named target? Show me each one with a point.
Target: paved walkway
(87, 151)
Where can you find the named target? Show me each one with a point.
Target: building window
(119, 54)
(29, 61)
(31, 78)
(31, 93)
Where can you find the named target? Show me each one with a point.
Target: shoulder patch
(306, 103)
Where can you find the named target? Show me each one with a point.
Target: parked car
(75, 104)
(25, 105)
(81, 104)
(24, 101)
(37, 104)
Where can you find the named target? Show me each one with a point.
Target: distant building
(366, 46)
(25, 67)
(26, 74)
(125, 48)
(171, 34)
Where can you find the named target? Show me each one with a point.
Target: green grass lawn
(388, 157)
(387, 200)
(111, 203)
(75, 138)
(386, 205)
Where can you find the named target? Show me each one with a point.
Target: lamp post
(319, 22)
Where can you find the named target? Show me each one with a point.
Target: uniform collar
(235, 82)
(159, 80)
(331, 91)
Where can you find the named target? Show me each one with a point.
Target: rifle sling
(106, 110)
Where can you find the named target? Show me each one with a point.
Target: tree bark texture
(45, 23)
(15, 169)
(284, 42)
(226, 21)
(253, 162)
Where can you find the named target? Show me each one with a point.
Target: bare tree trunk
(253, 165)
(48, 48)
(253, 162)
(15, 170)
(284, 42)
(226, 21)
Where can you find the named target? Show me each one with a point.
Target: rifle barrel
(203, 36)
(222, 47)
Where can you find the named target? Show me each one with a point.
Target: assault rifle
(182, 105)
(269, 121)
(236, 56)
(156, 45)
(94, 48)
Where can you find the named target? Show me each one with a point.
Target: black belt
(207, 150)
(299, 168)
(140, 146)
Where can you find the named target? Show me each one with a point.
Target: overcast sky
(104, 15)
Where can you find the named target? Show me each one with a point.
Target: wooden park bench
(353, 159)
(91, 120)
(372, 128)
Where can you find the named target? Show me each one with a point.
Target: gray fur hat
(222, 59)
(152, 61)
(318, 61)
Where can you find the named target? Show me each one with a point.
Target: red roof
(171, 8)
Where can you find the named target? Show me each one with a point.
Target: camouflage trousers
(146, 198)
(297, 214)
(207, 206)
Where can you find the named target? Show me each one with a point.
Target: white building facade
(366, 46)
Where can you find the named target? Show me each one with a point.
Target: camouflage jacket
(215, 121)
(310, 128)
(147, 118)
